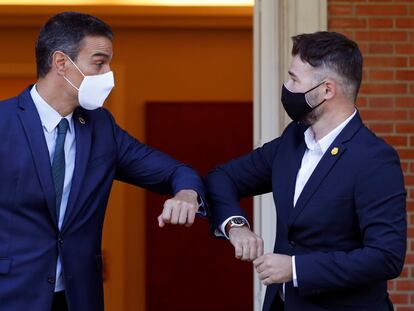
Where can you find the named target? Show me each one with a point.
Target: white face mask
(93, 90)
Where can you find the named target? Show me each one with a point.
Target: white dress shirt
(50, 118)
(313, 154)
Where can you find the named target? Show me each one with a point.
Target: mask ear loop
(74, 65)
(312, 90)
(315, 87)
(67, 80)
(319, 104)
(64, 77)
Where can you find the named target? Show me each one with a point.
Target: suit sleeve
(146, 167)
(379, 197)
(246, 176)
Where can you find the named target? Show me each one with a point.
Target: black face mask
(296, 105)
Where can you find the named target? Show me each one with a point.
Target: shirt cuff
(295, 278)
(222, 231)
(202, 206)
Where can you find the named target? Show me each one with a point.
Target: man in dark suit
(338, 190)
(59, 155)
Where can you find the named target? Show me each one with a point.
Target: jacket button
(60, 240)
(292, 244)
(51, 280)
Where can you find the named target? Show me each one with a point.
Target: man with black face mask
(338, 189)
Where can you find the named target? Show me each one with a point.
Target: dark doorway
(187, 268)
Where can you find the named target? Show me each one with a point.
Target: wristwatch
(236, 222)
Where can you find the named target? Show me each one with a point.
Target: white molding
(275, 22)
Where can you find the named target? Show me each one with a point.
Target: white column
(275, 21)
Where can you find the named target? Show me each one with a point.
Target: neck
(56, 96)
(330, 119)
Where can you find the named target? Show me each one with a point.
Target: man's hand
(247, 245)
(180, 209)
(274, 268)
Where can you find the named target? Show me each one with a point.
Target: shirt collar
(324, 143)
(49, 117)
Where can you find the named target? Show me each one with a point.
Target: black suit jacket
(348, 227)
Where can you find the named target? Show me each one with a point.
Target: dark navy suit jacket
(29, 237)
(348, 227)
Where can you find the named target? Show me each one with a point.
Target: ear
(329, 88)
(59, 62)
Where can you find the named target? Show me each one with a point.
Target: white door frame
(275, 22)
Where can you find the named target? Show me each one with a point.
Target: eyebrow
(100, 54)
(292, 74)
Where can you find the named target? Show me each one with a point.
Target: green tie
(58, 165)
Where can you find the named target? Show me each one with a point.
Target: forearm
(223, 198)
(323, 272)
(185, 178)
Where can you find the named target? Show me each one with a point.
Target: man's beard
(313, 116)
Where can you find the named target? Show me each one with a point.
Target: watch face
(238, 221)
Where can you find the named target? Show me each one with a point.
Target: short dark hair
(335, 52)
(65, 32)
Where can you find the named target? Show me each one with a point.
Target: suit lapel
(322, 169)
(32, 125)
(83, 134)
(293, 172)
(325, 165)
(286, 170)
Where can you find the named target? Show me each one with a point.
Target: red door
(187, 268)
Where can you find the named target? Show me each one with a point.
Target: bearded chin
(313, 116)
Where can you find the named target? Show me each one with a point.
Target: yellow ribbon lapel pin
(335, 151)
